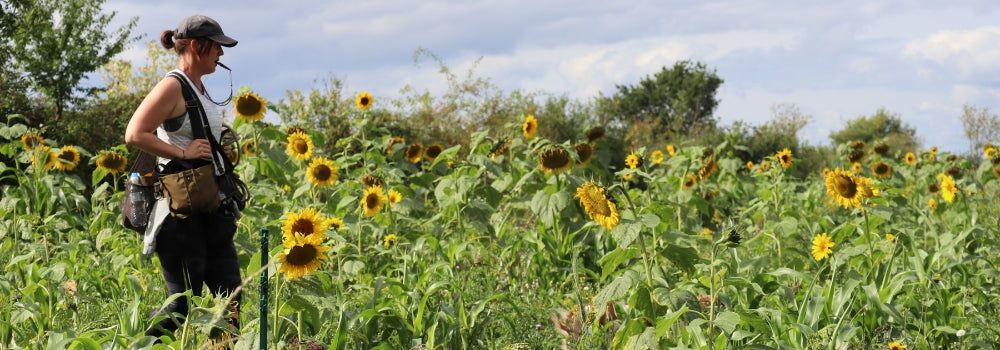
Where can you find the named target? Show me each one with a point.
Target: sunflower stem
(642, 240)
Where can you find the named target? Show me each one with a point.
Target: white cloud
(972, 53)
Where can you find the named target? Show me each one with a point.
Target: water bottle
(138, 199)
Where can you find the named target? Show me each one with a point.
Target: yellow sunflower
(303, 255)
(822, 247)
(364, 101)
(555, 160)
(249, 147)
(764, 166)
(882, 170)
(845, 189)
(855, 156)
(856, 167)
(691, 181)
(432, 152)
(68, 158)
(890, 237)
(31, 140)
(306, 223)
(370, 180)
(334, 223)
(392, 142)
(322, 172)
(671, 150)
(414, 152)
(656, 156)
(111, 162)
(372, 201)
(499, 148)
(394, 197)
(300, 146)
(750, 165)
(948, 188)
(389, 240)
(881, 149)
(633, 160)
(932, 203)
(910, 158)
(896, 346)
(44, 156)
(586, 152)
(530, 126)
(708, 168)
(594, 134)
(989, 150)
(250, 107)
(785, 158)
(597, 205)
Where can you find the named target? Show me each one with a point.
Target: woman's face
(209, 59)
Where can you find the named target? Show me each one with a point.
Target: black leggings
(194, 251)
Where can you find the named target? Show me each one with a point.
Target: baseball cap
(199, 26)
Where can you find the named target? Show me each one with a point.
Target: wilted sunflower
(111, 162)
(530, 126)
(855, 156)
(882, 170)
(69, 157)
(322, 172)
(294, 129)
(392, 142)
(432, 152)
(857, 145)
(586, 152)
(707, 153)
(671, 150)
(881, 149)
(250, 107)
(657, 157)
(394, 197)
(389, 240)
(948, 188)
(785, 158)
(31, 140)
(594, 134)
(364, 101)
(691, 181)
(372, 201)
(822, 247)
(933, 188)
(597, 205)
(414, 152)
(954, 172)
(300, 146)
(307, 223)
(708, 168)
(845, 189)
(910, 158)
(370, 180)
(302, 256)
(633, 160)
(499, 148)
(555, 160)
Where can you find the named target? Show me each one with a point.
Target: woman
(197, 249)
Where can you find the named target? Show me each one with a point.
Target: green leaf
(684, 257)
(626, 232)
(548, 205)
(610, 262)
(727, 320)
(615, 290)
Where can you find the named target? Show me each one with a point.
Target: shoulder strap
(200, 128)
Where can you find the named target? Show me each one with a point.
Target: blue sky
(834, 60)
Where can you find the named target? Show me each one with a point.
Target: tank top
(183, 136)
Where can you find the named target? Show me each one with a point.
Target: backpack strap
(200, 128)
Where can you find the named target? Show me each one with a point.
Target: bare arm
(164, 102)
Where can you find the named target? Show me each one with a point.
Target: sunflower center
(433, 152)
(301, 255)
(555, 160)
(845, 186)
(881, 168)
(372, 201)
(365, 101)
(598, 204)
(322, 173)
(67, 156)
(301, 146)
(303, 226)
(247, 105)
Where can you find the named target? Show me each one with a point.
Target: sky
(834, 60)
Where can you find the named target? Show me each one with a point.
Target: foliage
(883, 126)
(981, 127)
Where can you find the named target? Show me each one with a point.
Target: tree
(676, 101)
(981, 127)
(56, 42)
(883, 126)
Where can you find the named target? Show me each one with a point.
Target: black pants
(194, 251)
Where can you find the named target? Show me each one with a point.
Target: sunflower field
(515, 241)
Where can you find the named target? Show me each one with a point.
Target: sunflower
(856, 145)
(307, 223)
(954, 172)
(932, 203)
(597, 205)
(989, 151)
(627, 177)
(300, 146)
(822, 247)
(856, 167)
(910, 158)
(750, 165)
(890, 237)
(294, 129)
(933, 151)
(948, 188)
(394, 197)
(499, 148)
(250, 107)
(586, 152)
(68, 158)
(691, 181)
(364, 101)
(111, 162)
(432, 152)
(855, 156)
(633, 160)
(302, 255)
(707, 153)
(322, 172)
(370, 180)
(372, 201)
(389, 240)
(882, 170)
(392, 142)
(845, 189)
(881, 149)
(785, 158)
(31, 140)
(334, 223)
(249, 147)
(45, 156)
(530, 126)
(996, 159)
(671, 150)
(414, 152)
(656, 157)
(896, 346)
(594, 134)
(555, 160)
(764, 166)
(708, 169)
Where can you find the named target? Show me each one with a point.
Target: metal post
(264, 258)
